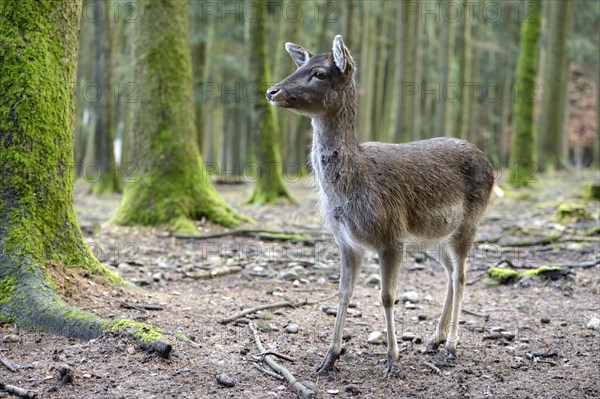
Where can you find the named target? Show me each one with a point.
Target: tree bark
(521, 163)
(270, 184)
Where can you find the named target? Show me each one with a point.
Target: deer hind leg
(390, 259)
(443, 256)
(458, 256)
(351, 262)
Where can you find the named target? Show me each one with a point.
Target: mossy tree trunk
(38, 228)
(521, 153)
(172, 186)
(270, 184)
(105, 179)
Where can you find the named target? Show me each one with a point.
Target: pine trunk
(171, 186)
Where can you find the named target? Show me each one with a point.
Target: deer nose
(271, 92)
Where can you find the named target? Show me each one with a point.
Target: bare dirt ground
(547, 350)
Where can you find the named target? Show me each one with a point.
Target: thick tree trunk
(270, 184)
(172, 186)
(38, 228)
(521, 163)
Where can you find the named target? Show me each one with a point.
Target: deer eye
(320, 75)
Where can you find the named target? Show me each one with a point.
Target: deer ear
(341, 54)
(298, 53)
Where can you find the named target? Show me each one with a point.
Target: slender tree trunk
(106, 180)
(521, 155)
(270, 184)
(418, 80)
(551, 130)
(172, 187)
(462, 121)
(449, 107)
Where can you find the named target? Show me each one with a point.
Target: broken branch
(303, 391)
(8, 364)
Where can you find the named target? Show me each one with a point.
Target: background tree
(172, 186)
(270, 184)
(521, 153)
(102, 150)
(551, 131)
(39, 234)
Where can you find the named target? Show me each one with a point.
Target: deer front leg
(390, 259)
(351, 262)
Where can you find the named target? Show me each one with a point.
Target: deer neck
(337, 160)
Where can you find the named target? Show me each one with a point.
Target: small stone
(330, 311)
(156, 277)
(421, 317)
(352, 388)
(375, 338)
(373, 279)
(594, 323)
(545, 320)
(225, 380)
(353, 305)
(564, 324)
(507, 335)
(410, 296)
(408, 336)
(409, 305)
(333, 391)
(65, 374)
(292, 329)
(131, 349)
(417, 340)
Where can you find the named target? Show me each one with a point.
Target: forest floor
(545, 348)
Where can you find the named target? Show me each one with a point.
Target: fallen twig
(268, 372)
(20, 392)
(298, 387)
(282, 304)
(433, 367)
(141, 306)
(8, 364)
(472, 313)
(277, 354)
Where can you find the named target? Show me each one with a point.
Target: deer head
(321, 85)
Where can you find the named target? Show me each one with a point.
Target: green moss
(508, 276)
(571, 213)
(145, 333)
(7, 286)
